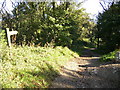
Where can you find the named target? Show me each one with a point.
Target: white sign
(13, 32)
(9, 33)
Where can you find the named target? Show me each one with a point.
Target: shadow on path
(88, 72)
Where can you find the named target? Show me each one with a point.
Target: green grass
(32, 67)
(108, 57)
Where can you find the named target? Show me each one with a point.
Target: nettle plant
(2, 38)
(3, 44)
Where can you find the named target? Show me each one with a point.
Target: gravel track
(87, 72)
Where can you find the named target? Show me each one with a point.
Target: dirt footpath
(87, 72)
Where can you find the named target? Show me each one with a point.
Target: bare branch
(4, 3)
(13, 4)
(102, 6)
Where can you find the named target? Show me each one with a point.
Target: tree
(109, 27)
(49, 23)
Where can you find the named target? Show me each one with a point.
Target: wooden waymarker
(9, 33)
(13, 32)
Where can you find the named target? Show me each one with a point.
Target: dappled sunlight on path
(88, 72)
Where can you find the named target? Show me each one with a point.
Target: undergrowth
(32, 67)
(109, 57)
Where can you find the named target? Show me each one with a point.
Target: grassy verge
(108, 57)
(31, 67)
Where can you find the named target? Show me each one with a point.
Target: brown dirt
(87, 72)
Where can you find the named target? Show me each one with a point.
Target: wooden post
(9, 33)
(8, 37)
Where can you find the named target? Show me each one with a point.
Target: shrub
(2, 38)
(109, 57)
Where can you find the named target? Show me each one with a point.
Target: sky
(91, 6)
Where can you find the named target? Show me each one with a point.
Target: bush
(2, 38)
(3, 44)
(109, 57)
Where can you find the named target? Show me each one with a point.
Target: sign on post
(9, 33)
(13, 32)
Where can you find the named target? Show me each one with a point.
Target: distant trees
(108, 26)
(41, 23)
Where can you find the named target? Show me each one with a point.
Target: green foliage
(43, 23)
(3, 44)
(32, 67)
(109, 28)
(108, 57)
(2, 38)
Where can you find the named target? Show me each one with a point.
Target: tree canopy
(41, 23)
(109, 27)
